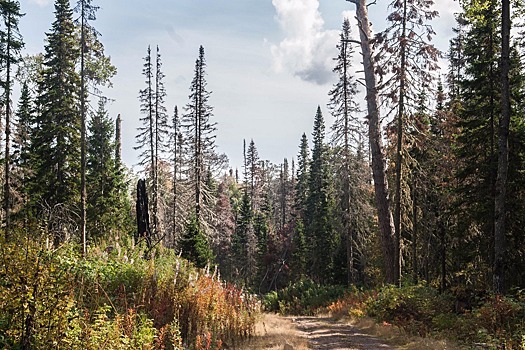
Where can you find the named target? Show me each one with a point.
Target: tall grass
(51, 298)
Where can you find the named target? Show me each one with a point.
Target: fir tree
(200, 138)
(318, 220)
(152, 135)
(382, 198)
(56, 136)
(11, 43)
(194, 245)
(102, 176)
(346, 132)
(87, 13)
(301, 186)
(476, 147)
(411, 59)
(21, 159)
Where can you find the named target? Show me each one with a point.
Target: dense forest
(420, 178)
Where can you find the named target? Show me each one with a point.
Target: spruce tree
(346, 132)
(56, 137)
(406, 54)
(21, 159)
(200, 137)
(375, 138)
(503, 155)
(476, 147)
(102, 177)
(87, 13)
(11, 43)
(154, 131)
(177, 158)
(318, 220)
(301, 186)
(161, 134)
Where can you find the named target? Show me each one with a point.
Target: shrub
(413, 308)
(303, 297)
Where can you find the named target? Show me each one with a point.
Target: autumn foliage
(50, 298)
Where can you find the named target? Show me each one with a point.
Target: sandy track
(324, 333)
(301, 333)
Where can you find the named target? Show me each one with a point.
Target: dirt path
(301, 333)
(324, 333)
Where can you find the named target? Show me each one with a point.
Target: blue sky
(269, 62)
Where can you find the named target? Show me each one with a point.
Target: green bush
(303, 298)
(417, 309)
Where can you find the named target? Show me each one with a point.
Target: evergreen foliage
(319, 207)
(199, 135)
(194, 245)
(56, 137)
(106, 215)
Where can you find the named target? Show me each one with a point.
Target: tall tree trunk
(399, 149)
(175, 172)
(118, 142)
(7, 160)
(384, 214)
(414, 232)
(83, 237)
(503, 155)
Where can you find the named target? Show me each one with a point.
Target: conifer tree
(301, 186)
(56, 137)
(411, 59)
(177, 158)
(346, 132)
(200, 137)
(503, 155)
(318, 220)
(10, 43)
(102, 176)
(154, 131)
(87, 13)
(21, 160)
(375, 138)
(161, 134)
(252, 174)
(476, 146)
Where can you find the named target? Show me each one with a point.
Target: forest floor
(276, 332)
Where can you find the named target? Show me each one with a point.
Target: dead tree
(143, 229)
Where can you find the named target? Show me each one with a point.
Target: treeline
(421, 200)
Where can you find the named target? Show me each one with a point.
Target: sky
(269, 61)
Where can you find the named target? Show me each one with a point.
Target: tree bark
(399, 147)
(503, 155)
(384, 213)
(7, 160)
(83, 131)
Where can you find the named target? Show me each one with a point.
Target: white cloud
(41, 3)
(307, 49)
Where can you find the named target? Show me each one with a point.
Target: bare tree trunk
(414, 232)
(399, 148)
(503, 155)
(83, 131)
(7, 160)
(384, 214)
(118, 142)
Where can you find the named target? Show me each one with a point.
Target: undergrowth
(302, 298)
(474, 319)
(51, 298)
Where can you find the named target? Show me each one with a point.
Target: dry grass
(275, 332)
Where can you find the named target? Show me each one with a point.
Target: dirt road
(326, 334)
(302, 333)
